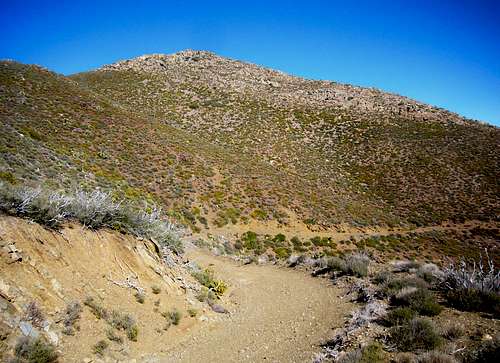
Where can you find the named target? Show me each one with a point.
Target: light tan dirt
(276, 315)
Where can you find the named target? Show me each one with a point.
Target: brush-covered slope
(217, 139)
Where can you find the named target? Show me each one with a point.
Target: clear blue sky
(446, 53)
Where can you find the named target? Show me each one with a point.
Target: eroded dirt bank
(275, 314)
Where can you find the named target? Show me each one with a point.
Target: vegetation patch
(71, 317)
(417, 334)
(208, 280)
(95, 209)
(355, 264)
(371, 353)
(34, 350)
(421, 300)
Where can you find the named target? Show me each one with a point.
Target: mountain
(218, 141)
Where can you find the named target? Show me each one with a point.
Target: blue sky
(446, 53)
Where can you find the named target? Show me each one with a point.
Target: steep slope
(52, 271)
(355, 146)
(218, 141)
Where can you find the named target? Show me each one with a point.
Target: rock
(15, 257)
(87, 360)
(218, 308)
(5, 291)
(28, 330)
(203, 318)
(57, 288)
(53, 337)
(487, 337)
(262, 259)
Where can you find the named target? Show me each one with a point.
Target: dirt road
(276, 315)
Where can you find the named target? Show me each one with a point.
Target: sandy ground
(276, 315)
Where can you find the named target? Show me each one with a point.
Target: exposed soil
(276, 315)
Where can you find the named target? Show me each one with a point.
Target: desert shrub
(417, 334)
(421, 300)
(405, 358)
(399, 316)
(430, 273)
(436, 357)
(8, 177)
(405, 266)
(371, 353)
(133, 333)
(156, 289)
(140, 297)
(207, 279)
(174, 316)
(487, 352)
(481, 276)
(355, 264)
(473, 287)
(35, 350)
(95, 209)
(282, 252)
(452, 331)
(121, 321)
(71, 316)
(100, 347)
(34, 314)
(393, 286)
(99, 311)
(474, 300)
(205, 295)
(115, 319)
(192, 312)
(111, 335)
(382, 277)
(249, 240)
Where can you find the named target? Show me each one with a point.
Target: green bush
(353, 265)
(140, 297)
(371, 353)
(207, 279)
(35, 350)
(174, 316)
(474, 300)
(382, 277)
(99, 311)
(100, 347)
(417, 334)
(133, 333)
(421, 300)
(282, 252)
(400, 316)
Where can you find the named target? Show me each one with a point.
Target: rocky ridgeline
(206, 68)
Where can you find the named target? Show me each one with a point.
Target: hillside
(218, 142)
(295, 195)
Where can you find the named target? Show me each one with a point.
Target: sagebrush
(94, 209)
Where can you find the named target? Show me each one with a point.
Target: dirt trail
(276, 315)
